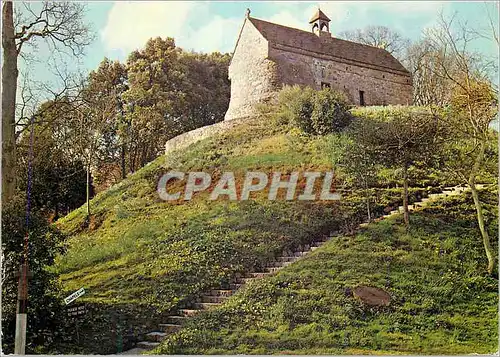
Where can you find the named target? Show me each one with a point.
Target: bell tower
(320, 23)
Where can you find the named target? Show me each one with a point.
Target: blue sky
(123, 26)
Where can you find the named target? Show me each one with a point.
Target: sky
(124, 26)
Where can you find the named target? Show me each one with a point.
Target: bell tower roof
(319, 15)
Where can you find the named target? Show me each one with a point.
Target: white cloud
(130, 24)
(287, 18)
(219, 34)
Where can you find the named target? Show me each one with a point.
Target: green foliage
(58, 181)
(330, 113)
(44, 309)
(313, 112)
(171, 91)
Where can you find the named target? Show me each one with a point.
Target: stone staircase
(215, 297)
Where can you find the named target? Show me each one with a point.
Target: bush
(314, 112)
(330, 113)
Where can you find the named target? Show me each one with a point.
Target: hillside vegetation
(140, 258)
(442, 302)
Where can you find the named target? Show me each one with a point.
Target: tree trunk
(9, 87)
(124, 173)
(479, 209)
(88, 193)
(367, 198)
(405, 197)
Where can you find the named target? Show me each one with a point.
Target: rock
(372, 296)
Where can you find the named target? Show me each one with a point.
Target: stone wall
(380, 87)
(253, 76)
(182, 141)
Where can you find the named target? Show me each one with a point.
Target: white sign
(74, 296)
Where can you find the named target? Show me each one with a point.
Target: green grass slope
(140, 258)
(442, 302)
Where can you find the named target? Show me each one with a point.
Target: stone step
(213, 299)
(287, 259)
(156, 336)
(275, 264)
(220, 292)
(274, 269)
(434, 195)
(176, 320)
(169, 328)
(188, 312)
(134, 351)
(242, 280)
(256, 275)
(147, 345)
(204, 305)
(314, 248)
(235, 286)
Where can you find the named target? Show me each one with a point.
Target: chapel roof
(332, 46)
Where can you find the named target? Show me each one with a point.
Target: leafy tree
(105, 88)
(171, 92)
(207, 89)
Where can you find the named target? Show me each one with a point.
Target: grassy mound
(140, 258)
(442, 302)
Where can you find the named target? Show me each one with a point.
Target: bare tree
(423, 60)
(473, 105)
(61, 26)
(381, 37)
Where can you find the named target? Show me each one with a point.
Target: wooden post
(22, 302)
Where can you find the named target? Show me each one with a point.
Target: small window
(361, 98)
(383, 76)
(325, 85)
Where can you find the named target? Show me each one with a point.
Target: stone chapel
(268, 56)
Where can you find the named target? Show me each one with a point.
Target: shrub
(330, 113)
(314, 112)
(294, 107)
